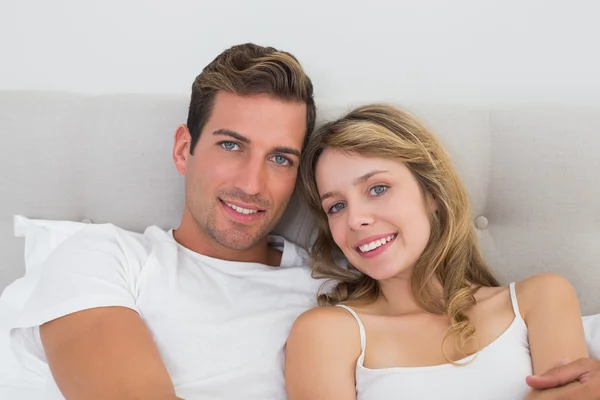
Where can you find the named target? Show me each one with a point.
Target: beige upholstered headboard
(532, 173)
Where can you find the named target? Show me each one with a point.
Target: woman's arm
(321, 355)
(551, 311)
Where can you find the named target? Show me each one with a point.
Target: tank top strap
(361, 329)
(513, 299)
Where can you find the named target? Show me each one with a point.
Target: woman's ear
(432, 204)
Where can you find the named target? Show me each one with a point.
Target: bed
(531, 173)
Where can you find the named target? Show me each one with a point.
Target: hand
(577, 380)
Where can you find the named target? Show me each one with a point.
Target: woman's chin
(381, 273)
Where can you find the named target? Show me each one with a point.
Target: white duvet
(41, 238)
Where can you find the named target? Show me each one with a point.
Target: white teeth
(376, 243)
(241, 210)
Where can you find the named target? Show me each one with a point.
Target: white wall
(450, 51)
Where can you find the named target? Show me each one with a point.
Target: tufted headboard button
(481, 222)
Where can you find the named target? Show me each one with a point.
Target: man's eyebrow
(287, 150)
(357, 181)
(230, 133)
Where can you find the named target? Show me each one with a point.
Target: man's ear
(181, 148)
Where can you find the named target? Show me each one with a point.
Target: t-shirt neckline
(279, 242)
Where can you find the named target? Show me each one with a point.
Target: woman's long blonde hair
(451, 256)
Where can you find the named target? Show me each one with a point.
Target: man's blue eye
(281, 160)
(228, 145)
(378, 190)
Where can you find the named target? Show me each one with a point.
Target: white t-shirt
(220, 326)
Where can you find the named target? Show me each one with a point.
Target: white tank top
(497, 372)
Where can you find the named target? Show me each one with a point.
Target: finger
(558, 376)
(585, 377)
(579, 390)
(568, 392)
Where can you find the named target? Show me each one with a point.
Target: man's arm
(105, 353)
(577, 380)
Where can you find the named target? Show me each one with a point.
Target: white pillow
(591, 325)
(41, 238)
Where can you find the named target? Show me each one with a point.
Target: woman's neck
(396, 296)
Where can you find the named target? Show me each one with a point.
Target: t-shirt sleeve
(96, 267)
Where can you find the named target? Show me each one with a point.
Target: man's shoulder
(101, 240)
(294, 255)
(297, 271)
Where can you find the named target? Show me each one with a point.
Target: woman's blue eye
(228, 145)
(378, 190)
(337, 207)
(281, 160)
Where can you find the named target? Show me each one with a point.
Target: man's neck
(191, 237)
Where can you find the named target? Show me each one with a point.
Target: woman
(415, 313)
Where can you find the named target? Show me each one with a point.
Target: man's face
(243, 170)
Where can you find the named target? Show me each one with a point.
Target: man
(576, 380)
(202, 311)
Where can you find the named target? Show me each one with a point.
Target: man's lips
(241, 214)
(243, 208)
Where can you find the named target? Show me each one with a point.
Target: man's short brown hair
(245, 70)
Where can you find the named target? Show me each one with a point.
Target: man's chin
(238, 241)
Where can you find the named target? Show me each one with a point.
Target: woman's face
(376, 210)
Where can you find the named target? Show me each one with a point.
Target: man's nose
(251, 177)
